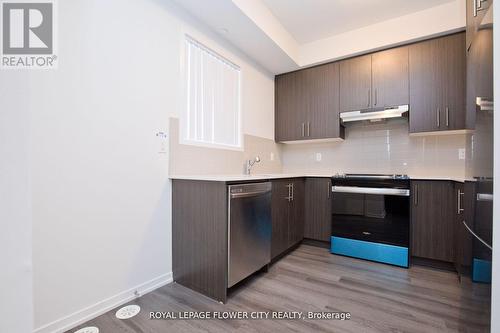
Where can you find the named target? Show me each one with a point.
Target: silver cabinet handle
(484, 197)
(459, 202)
(447, 116)
(478, 238)
(371, 190)
(485, 104)
(292, 191)
(415, 197)
(329, 189)
(303, 129)
(289, 197)
(479, 6)
(438, 122)
(376, 97)
(369, 97)
(308, 128)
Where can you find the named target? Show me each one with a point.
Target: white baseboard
(97, 309)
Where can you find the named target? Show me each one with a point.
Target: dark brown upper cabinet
(291, 106)
(433, 220)
(323, 86)
(428, 75)
(318, 209)
(390, 78)
(437, 84)
(356, 83)
(375, 80)
(307, 104)
(479, 73)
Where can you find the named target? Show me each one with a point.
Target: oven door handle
(371, 190)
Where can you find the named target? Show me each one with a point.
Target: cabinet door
(318, 209)
(280, 207)
(390, 78)
(479, 73)
(452, 58)
(433, 220)
(425, 86)
(323, 97)
(469, 19)
(355, 83)
(474, 17)
(290, 106)
(296, 215)
(459, 228)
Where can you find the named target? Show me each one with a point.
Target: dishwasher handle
(248, 194)
(249, 190)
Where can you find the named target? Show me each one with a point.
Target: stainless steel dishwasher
(249, 230)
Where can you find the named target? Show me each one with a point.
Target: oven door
(374, 214)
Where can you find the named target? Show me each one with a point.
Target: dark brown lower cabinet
(318, 209)
(433, 220)
(199, 236)
(465, 200)
(287, 214)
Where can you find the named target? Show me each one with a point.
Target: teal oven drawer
(388, 254)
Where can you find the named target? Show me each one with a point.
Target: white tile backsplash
(380, 148)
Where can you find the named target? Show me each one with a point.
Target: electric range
(371, 217)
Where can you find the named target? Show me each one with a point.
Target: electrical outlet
(461, 154)
(318, 157)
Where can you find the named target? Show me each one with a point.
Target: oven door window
(371, 217)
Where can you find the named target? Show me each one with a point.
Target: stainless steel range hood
(374, 114)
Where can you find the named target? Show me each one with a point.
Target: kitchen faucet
(250, 163)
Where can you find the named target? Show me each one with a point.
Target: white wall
(101, 219)
(495, 286)
(100, 190)
(16, 301)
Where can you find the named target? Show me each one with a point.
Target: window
(213, 98)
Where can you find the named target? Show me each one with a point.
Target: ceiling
(311, 20)
(285, 35)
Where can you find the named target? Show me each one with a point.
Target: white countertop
(233, 178)
(237, 178)
(454, 179)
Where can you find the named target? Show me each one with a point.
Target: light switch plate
(163, 142)
(318, 157)
(271, 156)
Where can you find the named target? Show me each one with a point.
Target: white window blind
(213, 98)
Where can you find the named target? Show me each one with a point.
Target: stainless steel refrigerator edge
(480, 145)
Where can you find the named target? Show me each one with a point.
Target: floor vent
(128, 311)
(90, 329)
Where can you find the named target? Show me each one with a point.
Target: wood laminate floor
(380, 298)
